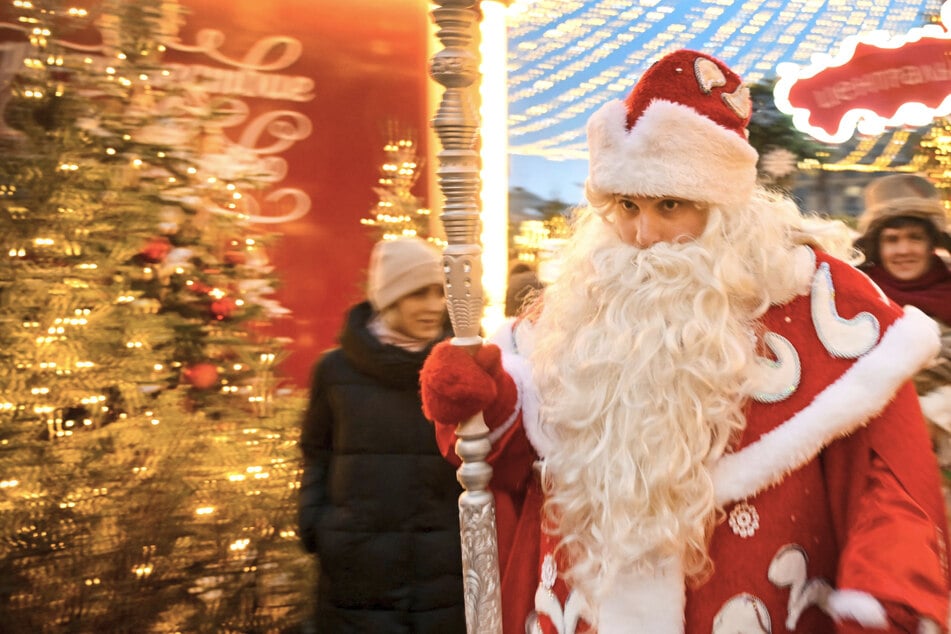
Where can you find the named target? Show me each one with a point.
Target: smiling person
(378, 504)
(706, 423)
(904, 227)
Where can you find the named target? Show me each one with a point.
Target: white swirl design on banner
(286, 126)
(267, 134)
(222, 90)
(210, 41)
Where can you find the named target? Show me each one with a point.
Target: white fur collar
(844, 406)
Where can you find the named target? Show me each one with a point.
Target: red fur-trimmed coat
(835, 521)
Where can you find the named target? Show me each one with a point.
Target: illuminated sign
(874, 82)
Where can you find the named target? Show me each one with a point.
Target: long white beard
(641, 358)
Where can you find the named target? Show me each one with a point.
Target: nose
(903, 246)
(647, 230)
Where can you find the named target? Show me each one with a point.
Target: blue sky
(550, 179)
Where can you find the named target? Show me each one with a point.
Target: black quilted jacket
(378, 503)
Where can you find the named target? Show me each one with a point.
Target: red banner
(368, 62)
(876, 86)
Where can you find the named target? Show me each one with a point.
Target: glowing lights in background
(494, 148)
(567, 57)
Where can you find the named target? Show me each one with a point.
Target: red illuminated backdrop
(368, 62)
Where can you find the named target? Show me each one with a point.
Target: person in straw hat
(707, 424)
(378, 504)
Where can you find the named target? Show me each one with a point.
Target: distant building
(525, 205)
(832, 193)
(835, 186)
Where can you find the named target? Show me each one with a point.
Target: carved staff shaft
(456, 123)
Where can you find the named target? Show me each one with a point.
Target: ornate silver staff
(457, 67)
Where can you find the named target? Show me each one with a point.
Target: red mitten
(456, 385)
(500, 410)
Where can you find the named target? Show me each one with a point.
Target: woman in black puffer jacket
(378, 503)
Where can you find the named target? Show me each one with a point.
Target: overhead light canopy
(567, 57)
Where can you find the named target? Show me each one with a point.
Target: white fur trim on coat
(672, 150)
(855, 398)
(640, 602)
(514, 339)
(858, 606)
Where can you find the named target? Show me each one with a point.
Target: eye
(626, 204)
(669, 204)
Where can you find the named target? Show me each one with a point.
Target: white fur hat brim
(672, 150)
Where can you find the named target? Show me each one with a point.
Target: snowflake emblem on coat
(744, 520)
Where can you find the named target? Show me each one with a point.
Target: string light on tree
(130, 277)
(398, 212)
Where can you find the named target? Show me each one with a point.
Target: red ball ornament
(201, 375)
(234, 253)
(199, 287)
(223, 308)
(156, 249)
(235, 257)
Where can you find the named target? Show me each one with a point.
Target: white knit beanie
(399, 267)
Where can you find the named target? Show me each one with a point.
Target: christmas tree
(76, 346)
(147, 475)
(397, 212)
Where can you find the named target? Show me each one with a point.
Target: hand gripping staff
(456, 124)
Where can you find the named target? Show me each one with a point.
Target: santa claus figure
(706, 423)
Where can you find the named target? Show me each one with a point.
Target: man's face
(644, 221)
(905, 251)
